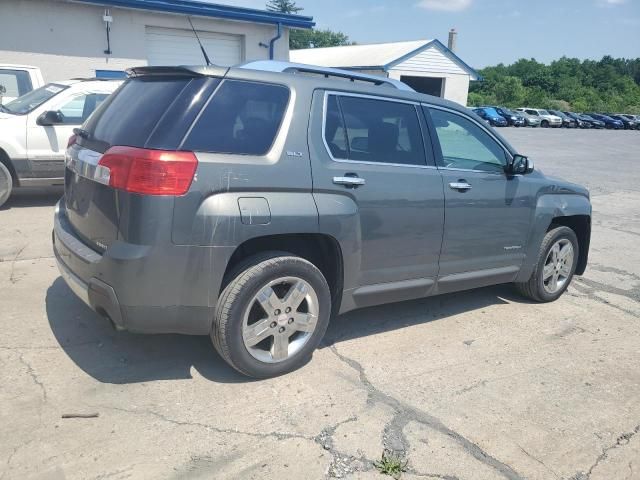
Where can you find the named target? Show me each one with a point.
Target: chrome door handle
(349, 181)
(460, 185)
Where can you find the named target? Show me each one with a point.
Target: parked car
(515, 119)
(546, 119)
(633, 118)
(17, 80)
(214, 201)
(628, 124)
(567, 121)
(491, 116)
(608, 121)
(580, 122)
(530, 120)
(35, 127)
(595, 123)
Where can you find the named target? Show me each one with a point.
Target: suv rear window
(242, 118)
(129, 116)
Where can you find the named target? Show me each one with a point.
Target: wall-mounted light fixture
(108, 20)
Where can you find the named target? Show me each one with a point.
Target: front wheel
(272, 315)
(557, 260)
(6, 184)
(545, 124)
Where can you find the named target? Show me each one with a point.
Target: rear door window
(372, 130)
(241, 118)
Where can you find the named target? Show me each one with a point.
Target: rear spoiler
(182, 70)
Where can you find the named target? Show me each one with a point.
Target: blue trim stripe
(191, 7)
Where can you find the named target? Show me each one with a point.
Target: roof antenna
(204, 53)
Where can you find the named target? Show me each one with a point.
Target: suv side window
(372, 130)
(78, 109)
(242, 117)
(466, 145)
(532, 112)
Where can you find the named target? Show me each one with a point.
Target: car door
(487, 212)
(46, 144)
(378, 191)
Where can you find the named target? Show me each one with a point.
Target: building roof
(372, 56)
(202, 9)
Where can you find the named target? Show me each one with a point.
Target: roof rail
(289, 67)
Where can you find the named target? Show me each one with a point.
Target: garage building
(427, 66)
(82, 38)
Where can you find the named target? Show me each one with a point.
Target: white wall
(437, 63)
(68, 39)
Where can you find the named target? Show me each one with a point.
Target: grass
(391, 464)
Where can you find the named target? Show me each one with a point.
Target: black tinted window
(131, 113)
(242, 118)
(374, 131)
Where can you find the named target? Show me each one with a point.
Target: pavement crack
(184, 423)
(406, 413)
(341, 463)
(12, 278)
(621, 441)
(34, 376)
(536, 459)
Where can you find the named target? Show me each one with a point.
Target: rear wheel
(6, 184)
(272, 315)
(555, 267)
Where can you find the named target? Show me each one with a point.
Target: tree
(606, 85)
(307, 38)
(317, 39)
(283, 6)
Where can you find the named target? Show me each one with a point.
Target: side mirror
(519, 165)
(50, 117)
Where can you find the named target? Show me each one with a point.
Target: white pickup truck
(35, 129)
(16, 80)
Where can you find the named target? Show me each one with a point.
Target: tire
(544, 124)
(535, 288)
(240, 308)
(6, 184)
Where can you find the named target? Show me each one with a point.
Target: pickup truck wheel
(555, 266)
(272, 315)
(6, 184)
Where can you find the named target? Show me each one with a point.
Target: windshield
(33, 99)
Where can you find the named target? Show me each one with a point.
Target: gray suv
(253, 203)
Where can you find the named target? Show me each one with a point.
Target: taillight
(72, 140)
(149, 172)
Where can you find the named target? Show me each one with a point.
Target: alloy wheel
(558, 266)
(280, 319)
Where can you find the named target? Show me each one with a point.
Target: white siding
(68, 39)
(431, 60)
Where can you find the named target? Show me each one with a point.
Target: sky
(489, 31)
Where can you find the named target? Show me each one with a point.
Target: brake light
(148, 172)
(72, 140)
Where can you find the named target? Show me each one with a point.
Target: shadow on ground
(120, 357)
(33, 197)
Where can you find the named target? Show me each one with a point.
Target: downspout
(273, 41)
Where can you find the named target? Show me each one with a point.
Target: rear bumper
(168, 289)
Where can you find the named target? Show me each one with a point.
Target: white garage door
(172, 46)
